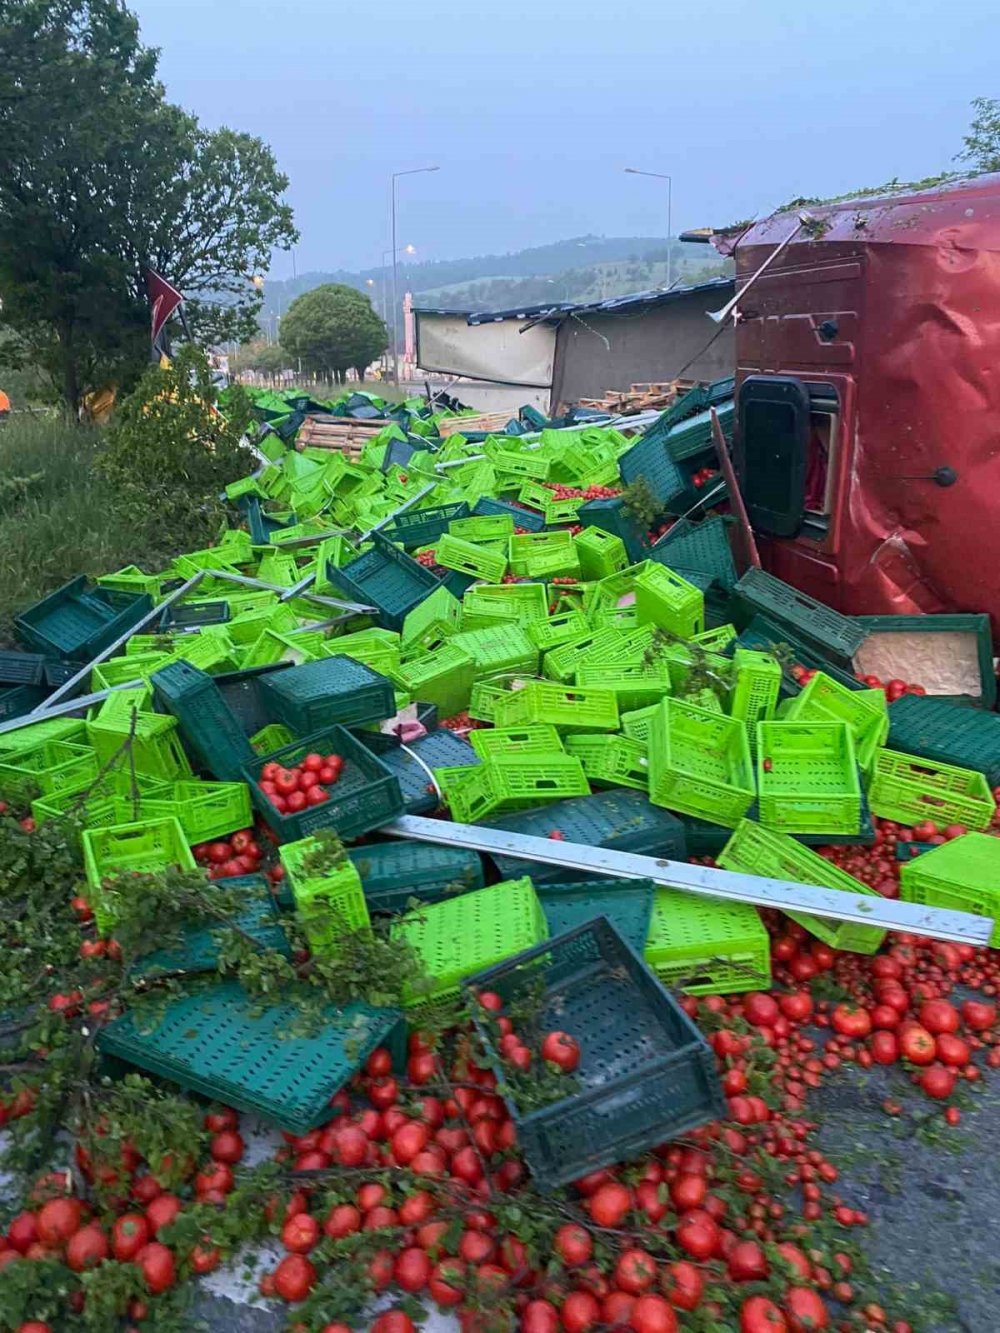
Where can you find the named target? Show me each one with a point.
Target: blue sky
(531, 108)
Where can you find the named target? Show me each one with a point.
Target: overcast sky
(531, 108)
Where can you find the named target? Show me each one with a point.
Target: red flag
(164, 300)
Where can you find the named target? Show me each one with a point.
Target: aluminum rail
(862, 909)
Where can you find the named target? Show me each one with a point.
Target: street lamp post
(414, 171)
(404, 250)
(662, 176)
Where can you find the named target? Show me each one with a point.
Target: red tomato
(760, 1010)
(917, 1045)
(759, 1314)
(87, 1248)
(652, 1314)
(806, 1310)
(312, 763)
(162, 1210)
(635, 1271)
(747, 1262)
(580, 1312)
(616, 1309)
(57, 1220)
(884, 1047)
(562, 1050)
(327, 776)
(609, 1205)
(688, 1191)
(286, 781)
(573, 1244)
(294, 1278)
(392, 1321)
(219, 852)
(156, 1263)
(979, 1015)
(939, 1016)
(797, 1006)
(295, 802)
(413, 1269)
(953, 1050)
(218, 1178)
(416, 1208)
(227, 1146)
(540, 1317)
(300, 1233)
(383, 1093)
(129, 1234)
(205, 1258)
(698, 1235)
(937, 1081)
(447, 1282)
(316, 796)
(308, 780)
(851, 1021)
(682, 1285)
(342, 1220)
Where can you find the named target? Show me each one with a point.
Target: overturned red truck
(868, 396)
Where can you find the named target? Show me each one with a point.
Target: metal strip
(885, 913)
(245, 581)
(407, 504)
(82, 701)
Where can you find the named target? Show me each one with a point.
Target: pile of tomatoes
(291, 790)
(557, 1049)
(562, 492)
(893, 689)
(240, 854)
(702, 477)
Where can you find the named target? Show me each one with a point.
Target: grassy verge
(59, 518)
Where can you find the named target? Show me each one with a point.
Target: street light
(414, 171)
(404, 250)
(661, 176)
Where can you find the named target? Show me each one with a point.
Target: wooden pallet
(642, 397)
(492, 423)
(341, 433)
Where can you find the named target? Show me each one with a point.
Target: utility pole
(414, 171)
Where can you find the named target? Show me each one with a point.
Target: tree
(332, 328)
(982, 143)
(99, 177)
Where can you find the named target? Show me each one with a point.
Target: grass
(58, 518)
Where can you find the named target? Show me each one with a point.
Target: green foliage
(982, 143)
(170, 448)
(332, 329)
(128, 181)
(640, 503)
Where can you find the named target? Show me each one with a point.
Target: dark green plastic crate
(198, 949)
(949, 733)
(706, 839)
(699, 546)
(333, 690)
(763, 635)
(186, 615)
(394, 872)
(212, 734)
(385, 577)
(21, 669)
(621, 821)
(420, 527)
(627, 904)
(646, 1074)
(650, 462)
(530, 519)
(366, 796)
(79, 619)
(226, 1045)
(17, 700)
(409, 763)
(828, 632)
(611, 515)
(976, 625)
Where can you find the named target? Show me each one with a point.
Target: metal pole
(395, 298)
(670, 229)
(155, 614)
(724, 885)
(80, 703)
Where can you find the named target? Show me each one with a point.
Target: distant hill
(583, 268)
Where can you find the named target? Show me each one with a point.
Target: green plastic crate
(544, 554)
(330, 904)
(706, 947)
(962, 875)
(386, 578)
(517, 465)
(645, 1075)
(213, 734)
(962, 665)
(716, 640)
(204, 810)
(454, 553)
(334, 690)
(627, 904)
(537, 738)
(947, 733)
(501, 649)
(909, 789)
(510, 782)
(78, 620)
(483, 528)
(826, 700)
(271, 737)
(394, 872)
(613, 761)
(377, 648)
(665, 599)
(31, 736)
(220, 1042)
(143, 847)
(53, 767)
(93, 809)
(459, 936)
(807, 777)
(484, 697)
(365, 797)
(703, 547)
(613, 516)
(436, 617)
(754, 850)
(836, 636)
(556, 630)
(594, 645)
(634, 686)
(155, 746)
(699, 763)
(485, 605)
(755, 694)
(132, 579)
(636, 724)
(443, 677)
(565, 707)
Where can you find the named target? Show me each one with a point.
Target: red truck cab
(868, 400)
